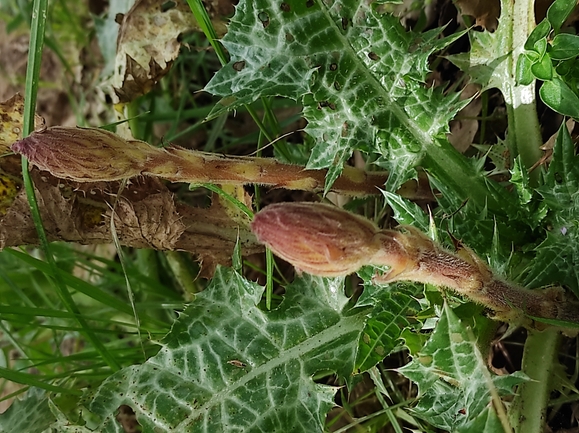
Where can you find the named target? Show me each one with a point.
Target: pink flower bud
(317, 238)
(84, 154)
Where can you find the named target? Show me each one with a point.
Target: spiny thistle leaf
(557, 258)
(359, 74)
(386, 321)
(31, 414)
(453, 381)
(228, 366)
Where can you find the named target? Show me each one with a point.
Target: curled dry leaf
(485, 12)
(550, 144)
(327, 241)
(464, 126)
(147, 44)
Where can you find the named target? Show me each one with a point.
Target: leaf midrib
(345, 325)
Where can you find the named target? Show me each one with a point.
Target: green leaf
(31, 414)
(557, 257)
(524, 74)
(475, 226)
(228, 366)
(106, 31)
(543, 69)
(559, 11)
(537, 39)
(558, 96)
(564, 46)
(359, 72)
(568, 68)
(388, 318)
(407, 212)
(540, 47)
(520, 178)
(533, 211)
(454, 383)
(488, 61)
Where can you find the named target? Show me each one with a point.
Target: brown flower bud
(84, 154)
(317, 238)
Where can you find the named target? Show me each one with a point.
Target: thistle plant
(399, 288)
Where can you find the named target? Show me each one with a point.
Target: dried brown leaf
(465, 125)
(11, 112)
(11, 122)
(139, 80)
(147, 44)
(550, 145)
(146, 216)
(152, 220)
(485, 12)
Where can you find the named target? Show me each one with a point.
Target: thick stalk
(528, 410)
(524, 134)
(323, 240)
(90, 155)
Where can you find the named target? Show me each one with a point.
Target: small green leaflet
(389, 317)
(487, 62)
(358, 73)
(453, 381)
(557, 258)
(531, 211)
(407, 212)
(227, 366)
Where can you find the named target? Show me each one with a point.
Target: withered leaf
(465, 125)
(147, 215)
(139, 80)
(485, 12)
(147, 43)
(11, 112)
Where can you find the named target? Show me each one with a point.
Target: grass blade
(39, 14)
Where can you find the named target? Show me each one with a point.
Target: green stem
(202, 17)
(524, 135)
(528, 410)
(182, 271)
(269, 265)
(451, 169)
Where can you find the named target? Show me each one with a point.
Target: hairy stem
(324, 240)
